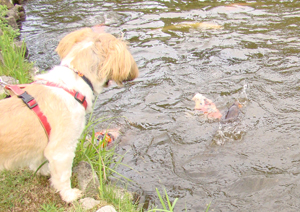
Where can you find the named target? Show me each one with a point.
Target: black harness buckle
(27, 99)
(78, 99)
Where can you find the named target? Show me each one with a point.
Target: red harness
(33, 105)
(78, 96)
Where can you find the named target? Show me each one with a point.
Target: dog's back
(21, 135)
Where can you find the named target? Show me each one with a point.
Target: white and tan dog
(100, 57)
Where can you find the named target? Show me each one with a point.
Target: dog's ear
(67, 43)
(118, 64)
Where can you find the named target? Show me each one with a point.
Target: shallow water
(252, 164)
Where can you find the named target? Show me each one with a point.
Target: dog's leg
(60, 153)
(60, 165)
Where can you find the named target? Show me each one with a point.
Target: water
(252, 164)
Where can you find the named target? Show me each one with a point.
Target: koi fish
(107, 136)
(233, 111)
(205, 105)
(197, 25)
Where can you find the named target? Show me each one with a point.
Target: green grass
(208, 206)
(13, 61)
(51, 207)
(20, 191)
(165, 202)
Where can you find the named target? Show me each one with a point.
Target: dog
(89, 60)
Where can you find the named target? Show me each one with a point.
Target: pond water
(246, 51)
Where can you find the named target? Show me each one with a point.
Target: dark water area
(248, 51)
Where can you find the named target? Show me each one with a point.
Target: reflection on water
(252, 57)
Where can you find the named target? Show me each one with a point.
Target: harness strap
(78, 96)
(31, 104)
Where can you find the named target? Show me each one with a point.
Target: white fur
(66, 77)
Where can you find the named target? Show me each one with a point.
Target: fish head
(199, 101)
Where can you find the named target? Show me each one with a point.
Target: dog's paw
(70, 195)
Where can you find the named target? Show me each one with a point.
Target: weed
(208, 206)
(51, 207)
(104, 162)
(13, 62)
(165, 201)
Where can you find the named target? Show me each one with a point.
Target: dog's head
(99, 55)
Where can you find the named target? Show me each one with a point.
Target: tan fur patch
(112, 61)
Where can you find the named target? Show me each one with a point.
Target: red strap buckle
(28, 100)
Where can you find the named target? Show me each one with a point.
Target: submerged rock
(195, 25)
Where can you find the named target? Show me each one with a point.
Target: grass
(13, 62)
(20, 191)
(50, 208)
(165, 202)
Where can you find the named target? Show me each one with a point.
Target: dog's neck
(66, 77)
(82, 76)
